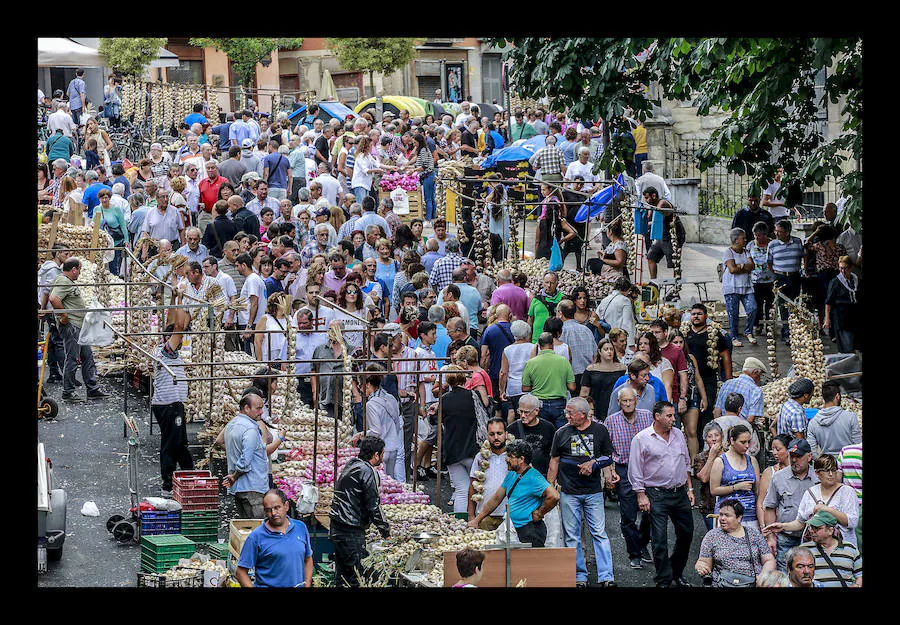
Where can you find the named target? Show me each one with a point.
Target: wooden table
(540, 568)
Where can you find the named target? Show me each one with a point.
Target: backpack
(550, 306)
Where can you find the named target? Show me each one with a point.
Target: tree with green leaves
(246, 52)
(373, 54)
(767, 86)
(130, 55)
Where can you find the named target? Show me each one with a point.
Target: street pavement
(89, 454)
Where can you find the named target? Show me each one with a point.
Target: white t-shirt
(844, 499)
(664, 365)
(426, 367)
(777, 212)
(253, 285)
(228, 288)
(494, 477)
(361, 176)
(331, 188)
(575, 168)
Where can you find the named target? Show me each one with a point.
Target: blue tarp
(520, 150)
(599, 201)
(336, 109)
(332, 109)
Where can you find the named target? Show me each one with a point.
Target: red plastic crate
(195, 490)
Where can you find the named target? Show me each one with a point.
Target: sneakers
(680, 582)
(430, 472)
(581, 584)
(71, 396)
(607, 583)
(635, 563)
(421, 475)
(97, 394)
(54, 378)
(645, 556)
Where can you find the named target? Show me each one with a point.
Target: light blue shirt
(241, 130)
(370, 218)
(197, 256)
(246, 452)
(471, 299)
(527, 496)
(429, 259)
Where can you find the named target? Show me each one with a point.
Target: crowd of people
(289, 220)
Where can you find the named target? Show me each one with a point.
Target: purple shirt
(513, 296)
(333, 282)
(622, 433)
(653, 462)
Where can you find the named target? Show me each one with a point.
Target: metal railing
(723, 193)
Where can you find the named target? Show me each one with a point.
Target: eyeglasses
(829, 471)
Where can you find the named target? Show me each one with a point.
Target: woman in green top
(115, 224)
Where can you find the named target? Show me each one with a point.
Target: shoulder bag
(832, 566)
(730, 579)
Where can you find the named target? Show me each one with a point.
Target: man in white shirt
(331, 188)
(650, 179)
(494, 476)
(776, 206)
(584, 168)
(617, 309)
(61, 120)
(254, 291)
(463, 118)
(211, 269)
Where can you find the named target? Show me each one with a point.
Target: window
(187, 73)
(490, 78)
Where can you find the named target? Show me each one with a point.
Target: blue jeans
(428, 192)
(785, 544)
(571, 507)
(732, 306)
(360, 193)
(554, 411)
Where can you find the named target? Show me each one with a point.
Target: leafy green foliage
(130, 55)
(246, 52)
(373, 54)
(767, 86)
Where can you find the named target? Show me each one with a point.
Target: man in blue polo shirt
(278, 550)
(197, 116)
(89, 198)
(785, 254)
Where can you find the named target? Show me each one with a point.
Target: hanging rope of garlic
(513, 232)
(629, 236)
(156, 107)
(484, 463)
(676, 257)
(771, 343)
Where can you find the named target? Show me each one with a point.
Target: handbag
(731, 579)
(481, 418)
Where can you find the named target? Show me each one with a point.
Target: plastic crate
(159, 580)
(166, 545)
(150, 565)
(203, 537)
(195, 490)
(214, 549)
(154, 522)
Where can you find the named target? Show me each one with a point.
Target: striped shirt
(746, 387)
(164, 391)
(850, 464)
(621, 432)
(792, 418)
(846, 559)
(406, 374)
(785, 257)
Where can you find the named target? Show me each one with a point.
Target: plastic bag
(161, 503)
(309, 497)
(90, 509)
(553, 521)
(93, 331)
(556, 261)
(501, 533)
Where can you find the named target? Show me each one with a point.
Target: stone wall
(713, 230)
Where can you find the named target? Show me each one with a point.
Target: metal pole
(316, 433)
(440, 448)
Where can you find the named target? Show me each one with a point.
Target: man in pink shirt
(676, 356)
(659, 470)
(508, 293)
(337, 276)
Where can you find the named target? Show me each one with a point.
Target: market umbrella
(327, 92)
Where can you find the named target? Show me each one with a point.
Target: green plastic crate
(200, 515)
(215, 549)
(205, 537)
(152, 565)
(166, 546)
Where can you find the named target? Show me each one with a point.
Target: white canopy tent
(62, 52)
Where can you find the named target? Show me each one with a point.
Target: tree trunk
(372, 81)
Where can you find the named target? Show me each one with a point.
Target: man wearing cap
(747, 385)
(247, 190)
(782, 500)
(792, 418)
(838, 564)
(250, 160)
(322, 215)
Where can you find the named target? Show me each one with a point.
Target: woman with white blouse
(737, 287)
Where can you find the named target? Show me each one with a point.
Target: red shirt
(209, 192)
(679, 363)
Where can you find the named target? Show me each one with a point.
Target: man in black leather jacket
(355, 505)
